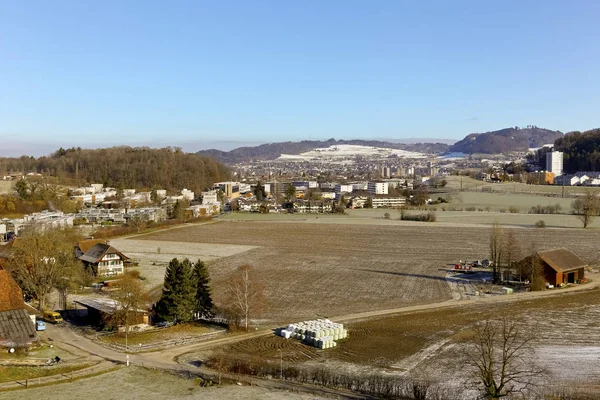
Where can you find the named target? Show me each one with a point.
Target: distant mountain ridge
(270, 151)
(506, 140)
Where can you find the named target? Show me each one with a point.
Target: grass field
(9, 374)
(454, 183)
(155, 336)
(136, 383)
(313, 269)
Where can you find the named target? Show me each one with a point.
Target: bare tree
(532, 268)
(130, 297)
(502, 357)
(496, 249)
(586, 207)
(511, 252)
(246, 293)
(43, 260)
(139, 222)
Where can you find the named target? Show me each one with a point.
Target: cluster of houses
(312, 196)
(578, 179)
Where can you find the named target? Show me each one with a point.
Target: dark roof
(561, 260)
(17, 329)
(11, 296)
(95, 254)
(85, 245)
(104, 305)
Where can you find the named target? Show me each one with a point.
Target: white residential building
(341, 189)
(554, 162)
(210, 197)
(378, 188)
(389, 202)
(187, 194)
(566, 180)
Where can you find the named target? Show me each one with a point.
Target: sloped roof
(17, 329)
(104, 305)
(85, 245)
(561, 260)
(11, 296)
(95, 254)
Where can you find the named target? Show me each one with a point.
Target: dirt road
(167, 359)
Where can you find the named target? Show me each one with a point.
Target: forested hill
(125, 167)
(271, 151)
(506, 140)
(581, 151)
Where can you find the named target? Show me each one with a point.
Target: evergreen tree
(185, 303)
(177, 300)
(201, 282)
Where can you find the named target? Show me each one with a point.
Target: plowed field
(313, 270)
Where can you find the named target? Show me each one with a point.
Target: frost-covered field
(153, 256)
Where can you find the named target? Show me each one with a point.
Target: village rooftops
(99, 250)
(561, 260)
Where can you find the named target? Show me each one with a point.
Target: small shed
(100, 311)
(560, 266)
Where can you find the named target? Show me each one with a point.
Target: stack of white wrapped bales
(321, 333)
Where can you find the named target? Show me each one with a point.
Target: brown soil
(312, 270)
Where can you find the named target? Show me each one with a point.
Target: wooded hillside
(125, 167)
(581, 151)
(506, 140)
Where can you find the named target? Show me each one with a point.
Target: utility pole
(281, 365)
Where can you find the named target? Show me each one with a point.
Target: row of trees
(125, 167)
(186, 293)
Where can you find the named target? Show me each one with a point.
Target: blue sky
(198, 74)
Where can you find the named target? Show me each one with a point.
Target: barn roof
(85, 245)
(561, 260)
(17, 329)
(104, 305)
(99, 250)
(11, 296)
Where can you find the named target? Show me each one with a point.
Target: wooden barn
(16, 326)
(560, 266)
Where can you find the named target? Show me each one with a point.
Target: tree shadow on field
(437, 278)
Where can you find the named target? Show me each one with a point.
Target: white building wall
(378, 188)
(554, 162)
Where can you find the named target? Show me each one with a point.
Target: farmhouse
(103, 259)
(560, 266)
(16, 327)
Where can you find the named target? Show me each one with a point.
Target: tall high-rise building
(554, 162)
(385, 172)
